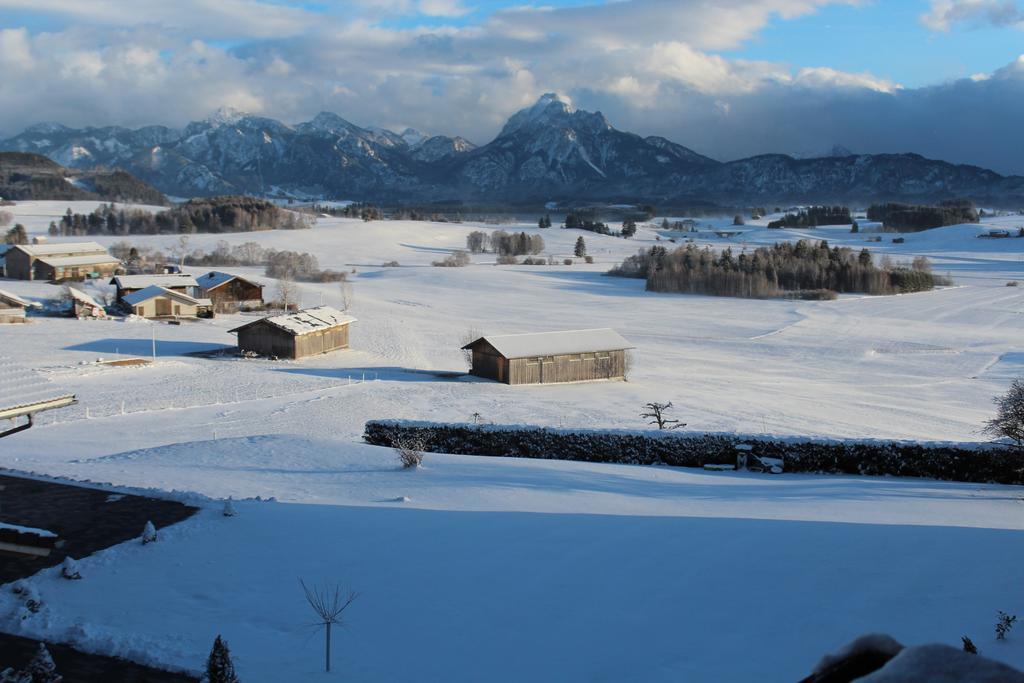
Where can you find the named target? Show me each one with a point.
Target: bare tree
(1009, 419)
(287, 292)
(409, 449)
(181, 249)
(468, 337)
(329, 605)
(656, 413)
(345, 289)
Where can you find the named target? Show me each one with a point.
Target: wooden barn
(230, 293)
(84, 306)
(176, 282)
(12, 308)
(550, 357)
(160, 302)
(59, 261)
(296, 335)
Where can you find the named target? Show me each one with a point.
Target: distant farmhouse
(230, 293)
(176, 282)
(67, 261)
(296, 335)
(550, 357)
(84, 306)
(159, 302)
(12, 308)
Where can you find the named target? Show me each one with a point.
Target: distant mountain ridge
(26, 176)
(548, 151)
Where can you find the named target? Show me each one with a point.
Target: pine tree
(547, 220)
(628, 228)
(581, 247)
(42, 669)
(219, 667)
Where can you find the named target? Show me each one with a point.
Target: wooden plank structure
(550, 357)
(12, 308)
(296, 335)
(230, 293)
(59, 261)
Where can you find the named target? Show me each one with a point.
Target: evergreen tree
(628, 228)
(219, 667)
(581, 247)
(42, 669)
(547, 220)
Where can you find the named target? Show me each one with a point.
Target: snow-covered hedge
(948, 461)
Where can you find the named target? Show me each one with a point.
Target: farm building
(84, 306)
(159, 302)
(129, 284)
(296, 335)
(230, 293)
(12, 308)
(23, 393)
(550, 357)
(67, 261)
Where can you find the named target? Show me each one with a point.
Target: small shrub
(229, 508)
(812, 295)
(1004, 624)
(588, 259)
(456, 259)
(567, 262)
(507, 260)
(148, 533)
(390, 264)
(409, 449)
(969, 645)
(531, 261)
(1012, 283)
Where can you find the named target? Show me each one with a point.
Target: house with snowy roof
(550, 357)
(308, 332)
(230, 293)
(59, 261)
(12, 308)
(176, 282)
(159, 302)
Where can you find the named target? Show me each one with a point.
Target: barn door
(163, 306)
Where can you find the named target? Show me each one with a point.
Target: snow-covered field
(502, 569)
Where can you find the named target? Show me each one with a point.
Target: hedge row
(978, 463)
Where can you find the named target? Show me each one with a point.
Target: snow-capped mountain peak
(226, 116)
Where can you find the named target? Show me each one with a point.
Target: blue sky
(727, 78)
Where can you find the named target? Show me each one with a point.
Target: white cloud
(944, 14)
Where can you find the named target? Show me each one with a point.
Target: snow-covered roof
(83, 260)
(216, 278)
(13, 298)
(82, 297)
(305, 321)
(50, 249)
(23, 391)
(160, 280)
(555, 343)
(152, 291)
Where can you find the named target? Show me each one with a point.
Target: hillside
(548, 151)
(26, 176)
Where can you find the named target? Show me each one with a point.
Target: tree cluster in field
(368, 212)
(586, 220)
(813, 216)
(913, 218)
(773, 271)
(16, 235)
(504, 243)
(456, 259)
(218, 214)
(544, 222)
(871, 458)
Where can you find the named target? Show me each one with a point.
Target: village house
(550, 357)
(84, 306)
(230, 293)
(176, 282)
(12, 308)
(59, 261)
(296, 335)
(159, 302)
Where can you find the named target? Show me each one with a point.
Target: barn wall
(148, 308)
(578, 367)
(266, 340)
(12, 315)
(321, 341)
(489, 365)
(18, 264)
(228, 298)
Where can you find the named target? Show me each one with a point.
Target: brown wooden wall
(322, 341)
(229, 297)
(577, 367)
(18, 265)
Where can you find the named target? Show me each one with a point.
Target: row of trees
(219, 214)
(774, 271)
(504, 243)
(916, 217)
(813, 216)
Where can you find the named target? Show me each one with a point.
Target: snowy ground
(504, 569)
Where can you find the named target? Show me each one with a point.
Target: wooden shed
(230, 293)
(296, 335)
(550, 357)
(12, 308)
(160, 302)
(59, 261)
(84, 306)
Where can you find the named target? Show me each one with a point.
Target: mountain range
(546, 152)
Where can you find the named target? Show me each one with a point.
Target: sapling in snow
(1003, 624)
(69, 569)
(329, 605)
(42, 669)
(969, 645)
(656, 411)
(148, 533)
(219, 667)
